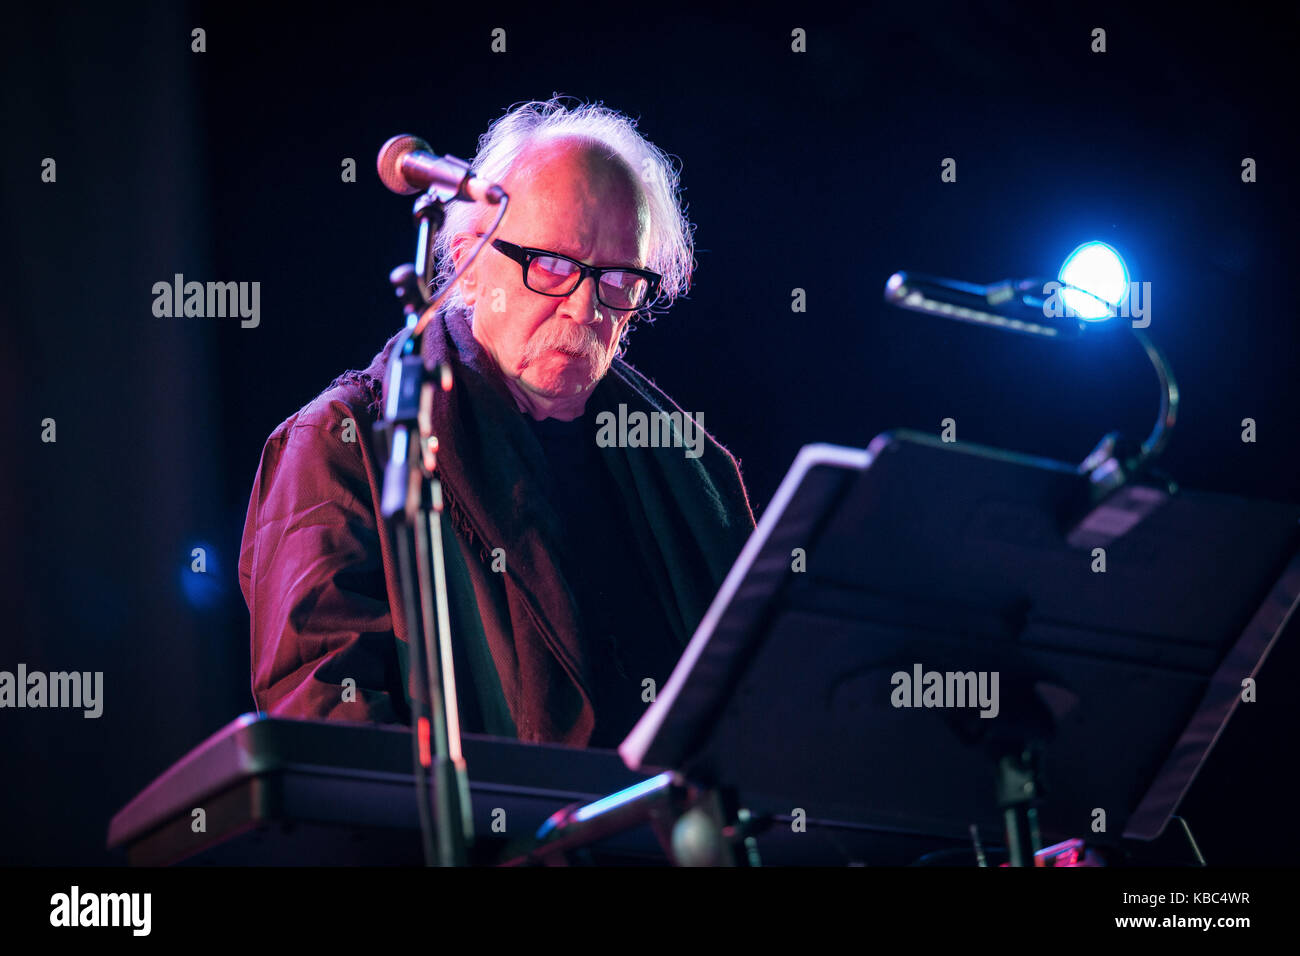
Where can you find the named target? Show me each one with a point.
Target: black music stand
(1113, 685)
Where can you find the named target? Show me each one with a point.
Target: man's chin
(555, 387)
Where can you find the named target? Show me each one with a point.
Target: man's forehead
(570, 194)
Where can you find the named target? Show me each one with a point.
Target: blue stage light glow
(1099, 278)
(202, 589)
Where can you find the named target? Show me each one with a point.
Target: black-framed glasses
(550, 273)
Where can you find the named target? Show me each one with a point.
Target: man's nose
(581, 305)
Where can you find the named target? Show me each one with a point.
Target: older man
(585, 557)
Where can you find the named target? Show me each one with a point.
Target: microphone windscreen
(389, 163)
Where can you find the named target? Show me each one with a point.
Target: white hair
(670, 247)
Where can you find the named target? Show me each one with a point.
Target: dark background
(818, 171)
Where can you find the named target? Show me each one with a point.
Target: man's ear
(461, 247)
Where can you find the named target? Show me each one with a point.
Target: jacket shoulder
(345, 404)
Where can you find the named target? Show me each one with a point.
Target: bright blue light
(1100, 280)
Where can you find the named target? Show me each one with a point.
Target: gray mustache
(583, 346)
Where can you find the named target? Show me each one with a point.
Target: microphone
(408, 165)
(1015, 305)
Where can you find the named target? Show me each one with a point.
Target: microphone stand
(412, 506)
